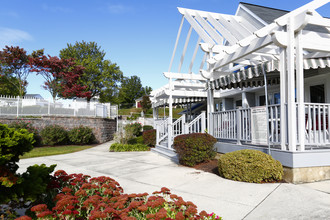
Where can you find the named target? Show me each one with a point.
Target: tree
(62, 76)
(15, 63)
(131, 89)
(100, 76)
(9, 86)
(145, 103)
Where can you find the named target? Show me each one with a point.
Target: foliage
(136, 140)
(149, 137)
(9, 86)
(54, 135)
(82, 197)
(131, 89)
(194, 148)
(13, 143)
(116, 147)
(22, 124)
(100, 76)
(62, 76)
(145, 103)
(14, 62)
(81, 135)
(123, 137)
(250, 166)
(136, 128)
(147, 127)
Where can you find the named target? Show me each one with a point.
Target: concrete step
(163, 151)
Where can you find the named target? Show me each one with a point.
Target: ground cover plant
(194, 148)
(82, 197)
(250, 166)
(117, 147)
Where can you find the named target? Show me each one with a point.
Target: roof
(268, 15)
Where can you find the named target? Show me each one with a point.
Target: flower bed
(82, 197)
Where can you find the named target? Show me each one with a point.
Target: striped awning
(178, 101)
(253, 77)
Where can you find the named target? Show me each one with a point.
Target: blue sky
(137, 35)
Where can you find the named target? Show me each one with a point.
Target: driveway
(140, 172)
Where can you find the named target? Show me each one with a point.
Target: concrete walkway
(147, 172)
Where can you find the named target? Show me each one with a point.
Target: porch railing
(178, 126)
(225, 125)
(161, 131)
(317, 123)
(197, 125)
(274, 123)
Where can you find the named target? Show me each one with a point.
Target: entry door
(317, 94)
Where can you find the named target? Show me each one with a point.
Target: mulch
(210, 166)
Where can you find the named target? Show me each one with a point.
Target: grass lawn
(161, 112)
(48, 151)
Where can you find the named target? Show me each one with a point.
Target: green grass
(48, 151)
(161, 112)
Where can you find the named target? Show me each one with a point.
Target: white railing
(244, 124)
(162, 131)
(317, 123)
(26, 106)
(225, 124)
(274, 123)
(178, 126)
(197, 125)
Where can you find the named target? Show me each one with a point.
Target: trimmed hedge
(149, 137)
(54, 135)
(194, 148)
(116, 147)
(81, 135)
(250, 166)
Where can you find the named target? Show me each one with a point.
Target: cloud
(10, 36)
(56, 9)
(118, 9)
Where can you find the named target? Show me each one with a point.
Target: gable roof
(268, 15)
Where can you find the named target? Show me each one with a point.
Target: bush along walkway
(140, 172)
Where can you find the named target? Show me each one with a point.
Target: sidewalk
(140, 172)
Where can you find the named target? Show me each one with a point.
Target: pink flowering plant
(82, 197)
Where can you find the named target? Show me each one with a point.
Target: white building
(266, 80)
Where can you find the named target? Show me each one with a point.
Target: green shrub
(116, 147)
(136, 128)
(194, 148)
(136, 140)
(149, 137)
(54, 135)
(147, 127)
(81, 135)
(250, 166)
(28, 126)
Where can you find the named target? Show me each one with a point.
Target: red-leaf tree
(61, 76)
(14, 62)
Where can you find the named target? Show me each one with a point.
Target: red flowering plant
(82, 197)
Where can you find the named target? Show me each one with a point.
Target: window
(262, 100)
(317, 94)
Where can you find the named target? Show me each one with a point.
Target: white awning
(178, 101)
(252, 75)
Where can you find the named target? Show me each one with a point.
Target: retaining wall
(103, 128)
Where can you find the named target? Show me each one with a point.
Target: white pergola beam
(225, 33)
(210, 30)
(183, 76)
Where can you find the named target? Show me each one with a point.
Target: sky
(138, 35)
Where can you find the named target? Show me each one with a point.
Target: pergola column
(170, 115)
(210, 109)
(283, 99)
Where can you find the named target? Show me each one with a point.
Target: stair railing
(198, 125)
(161, 131)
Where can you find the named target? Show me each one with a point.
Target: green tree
(131, 89)
(9, 86)
(100, 75)
(145, 103)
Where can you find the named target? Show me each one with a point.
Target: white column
(300, 92)
(283, 101)
(292, 116)
(169, 121)
(210, 110)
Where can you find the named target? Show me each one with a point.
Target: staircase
(163, 136)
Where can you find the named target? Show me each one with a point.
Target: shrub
(21, 124)
(149, 137)
(194, 148)
(116, 147)
(102, 197)
(124, 137)
(54, 135)
(136, 128)
(147, 127)
(81, 135)
(137, 140)
(250, 166)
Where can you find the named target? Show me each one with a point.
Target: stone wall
(103, 128)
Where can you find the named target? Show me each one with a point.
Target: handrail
(197, 125)
(178, 126)
(162, 131)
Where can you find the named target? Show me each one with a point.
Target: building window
(317, 94)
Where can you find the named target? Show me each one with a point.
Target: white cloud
(10, 36)
(118, 9)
